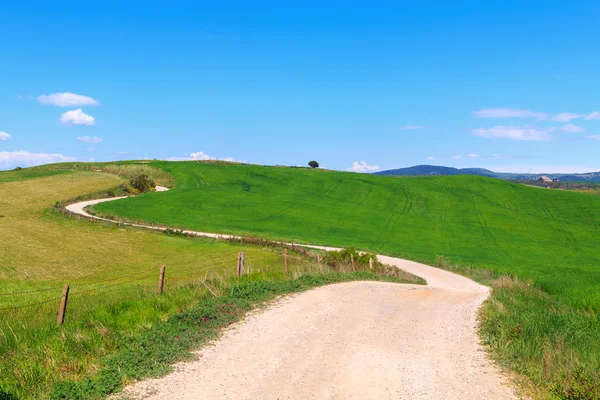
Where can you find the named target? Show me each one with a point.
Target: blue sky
(511, 86)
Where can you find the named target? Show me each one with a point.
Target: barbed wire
(181, 274)
(29, 291)
(30, 305)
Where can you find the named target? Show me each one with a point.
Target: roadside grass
(551, 345)
(550, 237)
(152, 352)
(113, 273)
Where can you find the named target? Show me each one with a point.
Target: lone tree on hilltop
(313, 164)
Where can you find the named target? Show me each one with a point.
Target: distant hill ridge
(434, 170)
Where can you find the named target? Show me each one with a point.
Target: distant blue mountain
(431, 170)
(434, 170)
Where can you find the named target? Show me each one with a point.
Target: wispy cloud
(515, 132)
(89, 139)
(67, 99)
(509, 113)
(431, 158)
(473, 155)
(565, 117)
(201, 156)
(11, 159)
(410, 128)
(76, 117)
(362, 167)
(572, 128)
(593, 137)
(4, 136)
(594, 115)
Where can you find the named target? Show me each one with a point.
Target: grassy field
(542, 321)
(549, 237)
(538, 249)
(113, 273)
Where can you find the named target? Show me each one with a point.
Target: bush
(143, 184)
(344, 257)
(313, 164)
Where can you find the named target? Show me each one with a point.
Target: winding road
(356, 340)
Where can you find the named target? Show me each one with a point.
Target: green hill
(550, 237)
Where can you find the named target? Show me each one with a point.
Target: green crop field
(549, 237)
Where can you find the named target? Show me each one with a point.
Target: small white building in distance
(544, 178)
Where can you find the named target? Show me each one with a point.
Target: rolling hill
(550, 237)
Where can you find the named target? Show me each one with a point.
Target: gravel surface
(356, 340)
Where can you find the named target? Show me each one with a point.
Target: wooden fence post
(161, 280)
(285, 258)
(352, 261)
(370, 263)
(240, 266)
(62, 309)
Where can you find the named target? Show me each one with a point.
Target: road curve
(356, 340)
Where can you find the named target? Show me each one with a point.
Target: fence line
(163, 277)
(29, 291)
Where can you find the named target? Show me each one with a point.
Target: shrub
(143, 184)
(313, 164)
(344, 257)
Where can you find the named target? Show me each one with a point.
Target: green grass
(552, 346)
(21, 175)
(550, 237)
(113, 273)
(154, 350)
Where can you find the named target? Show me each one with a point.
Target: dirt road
(358, 340)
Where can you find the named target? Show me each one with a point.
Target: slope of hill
(433, 170)
(550, 237)
(112, 272)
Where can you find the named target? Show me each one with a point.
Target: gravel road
(356, 340)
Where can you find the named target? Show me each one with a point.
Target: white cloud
(11, 159)
(202, 156)
(67, 99)
(572, 128)
(593, 137)
(456, 157)
(565, 117)
(4, 136)
(410, 127)
(594, 115)
(430, 158)
(472, 155)
(515, 132)
(89, 139)
(362, 167)
(76, 117)
(508, 113)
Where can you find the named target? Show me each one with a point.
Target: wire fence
(142, 281)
